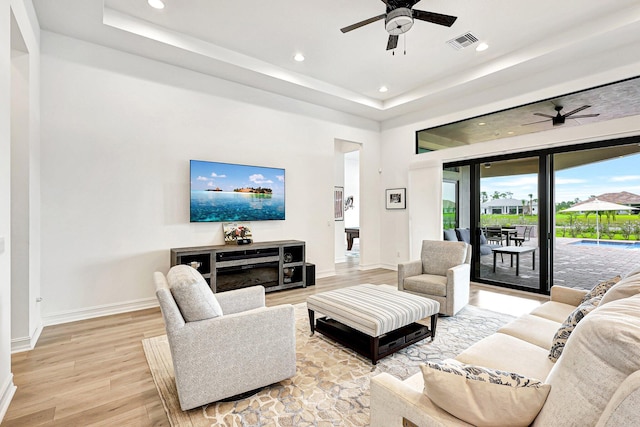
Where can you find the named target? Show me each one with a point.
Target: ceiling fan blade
(435, 18)
(533, 123)
(386, 2)
(582, 116)
(393, 42)
(577, 110)
(543, 115)
(363, 23)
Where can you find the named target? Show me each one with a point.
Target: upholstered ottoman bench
(373, 320)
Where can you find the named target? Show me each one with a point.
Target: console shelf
(275, 265)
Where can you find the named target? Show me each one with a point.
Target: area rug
(331, 385)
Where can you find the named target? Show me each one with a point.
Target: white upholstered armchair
(442, 274)
(225, 344)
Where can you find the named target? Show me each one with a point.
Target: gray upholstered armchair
(243, 347)
(441, 274)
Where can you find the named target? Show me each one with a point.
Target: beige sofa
(595, 381)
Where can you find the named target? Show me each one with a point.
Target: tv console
(275, 265)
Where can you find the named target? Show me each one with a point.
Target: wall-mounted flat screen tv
(226, 192)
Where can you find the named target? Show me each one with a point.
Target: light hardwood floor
(94, 372)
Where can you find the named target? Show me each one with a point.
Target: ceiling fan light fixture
(399, 21)
(156, 4)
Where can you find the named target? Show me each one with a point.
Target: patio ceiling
(613, 101)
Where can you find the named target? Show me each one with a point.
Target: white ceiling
(253, 43)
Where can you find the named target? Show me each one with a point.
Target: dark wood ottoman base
(373, 348)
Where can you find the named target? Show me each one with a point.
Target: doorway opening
(347, 215)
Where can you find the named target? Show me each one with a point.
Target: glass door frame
(546, 204)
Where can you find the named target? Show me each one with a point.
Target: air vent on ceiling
(462, 41)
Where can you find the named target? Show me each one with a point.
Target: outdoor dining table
(514, 250)
(508, 232)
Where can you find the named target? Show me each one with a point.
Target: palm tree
(530, 204)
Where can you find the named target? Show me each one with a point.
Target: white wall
(118, 132)
(6, 379)
(19, 29)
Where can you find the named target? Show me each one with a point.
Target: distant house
(621, 198)
(508, 207)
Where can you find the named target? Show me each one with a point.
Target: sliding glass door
(508, 220)
(595, 241)
(527, 228)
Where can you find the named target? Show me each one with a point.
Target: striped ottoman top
(373, 309)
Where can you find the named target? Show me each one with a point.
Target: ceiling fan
(559, 119)
(399, 19)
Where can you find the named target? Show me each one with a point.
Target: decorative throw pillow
(483, 396)
(450, 235)
(193, 295)
(601, 288)
(562, 335)
(627, 287)
(483, 239)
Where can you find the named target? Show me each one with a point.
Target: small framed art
(396, 198)
(338, 203)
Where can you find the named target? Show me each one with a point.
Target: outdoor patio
(574, 266)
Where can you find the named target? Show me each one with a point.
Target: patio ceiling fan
(559, 118)
(399, 19)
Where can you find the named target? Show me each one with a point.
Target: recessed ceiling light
(481, 47)
(481, 124)
(510, 132)
(298, 57)
(156, 4)
(383, 89)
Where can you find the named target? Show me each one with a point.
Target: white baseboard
(326, 273)
(393, 267)
(26, 343)
(7, 391)
(370, 266)
(98, 311)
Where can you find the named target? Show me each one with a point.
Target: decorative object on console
(229, 192)
(338, 203)
(396, 198)
(236, 233)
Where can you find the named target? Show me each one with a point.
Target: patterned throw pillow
(483, 396)
(562, 335)
(601, 288)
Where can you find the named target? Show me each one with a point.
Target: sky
(609, 176)
(228, 176)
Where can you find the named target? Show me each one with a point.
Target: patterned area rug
(331, 386)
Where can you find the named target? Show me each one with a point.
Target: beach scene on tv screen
(222, 192)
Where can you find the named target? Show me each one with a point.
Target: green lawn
(620, 227)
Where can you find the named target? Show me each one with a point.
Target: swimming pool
(608, 244)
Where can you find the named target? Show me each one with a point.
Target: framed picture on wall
(338, 203)
(396, 198)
